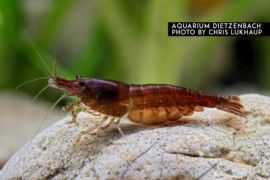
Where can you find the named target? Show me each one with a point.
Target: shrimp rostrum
(146, 104)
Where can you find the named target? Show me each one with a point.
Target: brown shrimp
(145, 104)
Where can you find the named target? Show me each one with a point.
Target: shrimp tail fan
(231, 104)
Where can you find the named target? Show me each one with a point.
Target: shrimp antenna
(41, 91)
(48, 113)
(40, 57)
(54, 63)
(27, 82)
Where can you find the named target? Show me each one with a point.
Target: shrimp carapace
(146, 104)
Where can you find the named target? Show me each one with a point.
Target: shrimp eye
(78, 76)
(81, 83)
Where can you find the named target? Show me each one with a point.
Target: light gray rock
(17, 123)
(207, 145)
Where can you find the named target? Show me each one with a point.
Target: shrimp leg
(88, 130)
(114, 122)
(75, 110)
(91, 112)
(74, 115)
(108, 125)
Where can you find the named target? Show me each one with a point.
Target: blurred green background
(127, 41)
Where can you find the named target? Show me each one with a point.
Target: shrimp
(147, 104)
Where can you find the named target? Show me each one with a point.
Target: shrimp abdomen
(155, 104)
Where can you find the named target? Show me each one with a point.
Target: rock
(207, 145)
(18, 124)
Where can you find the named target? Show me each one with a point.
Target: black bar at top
(264, 30)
